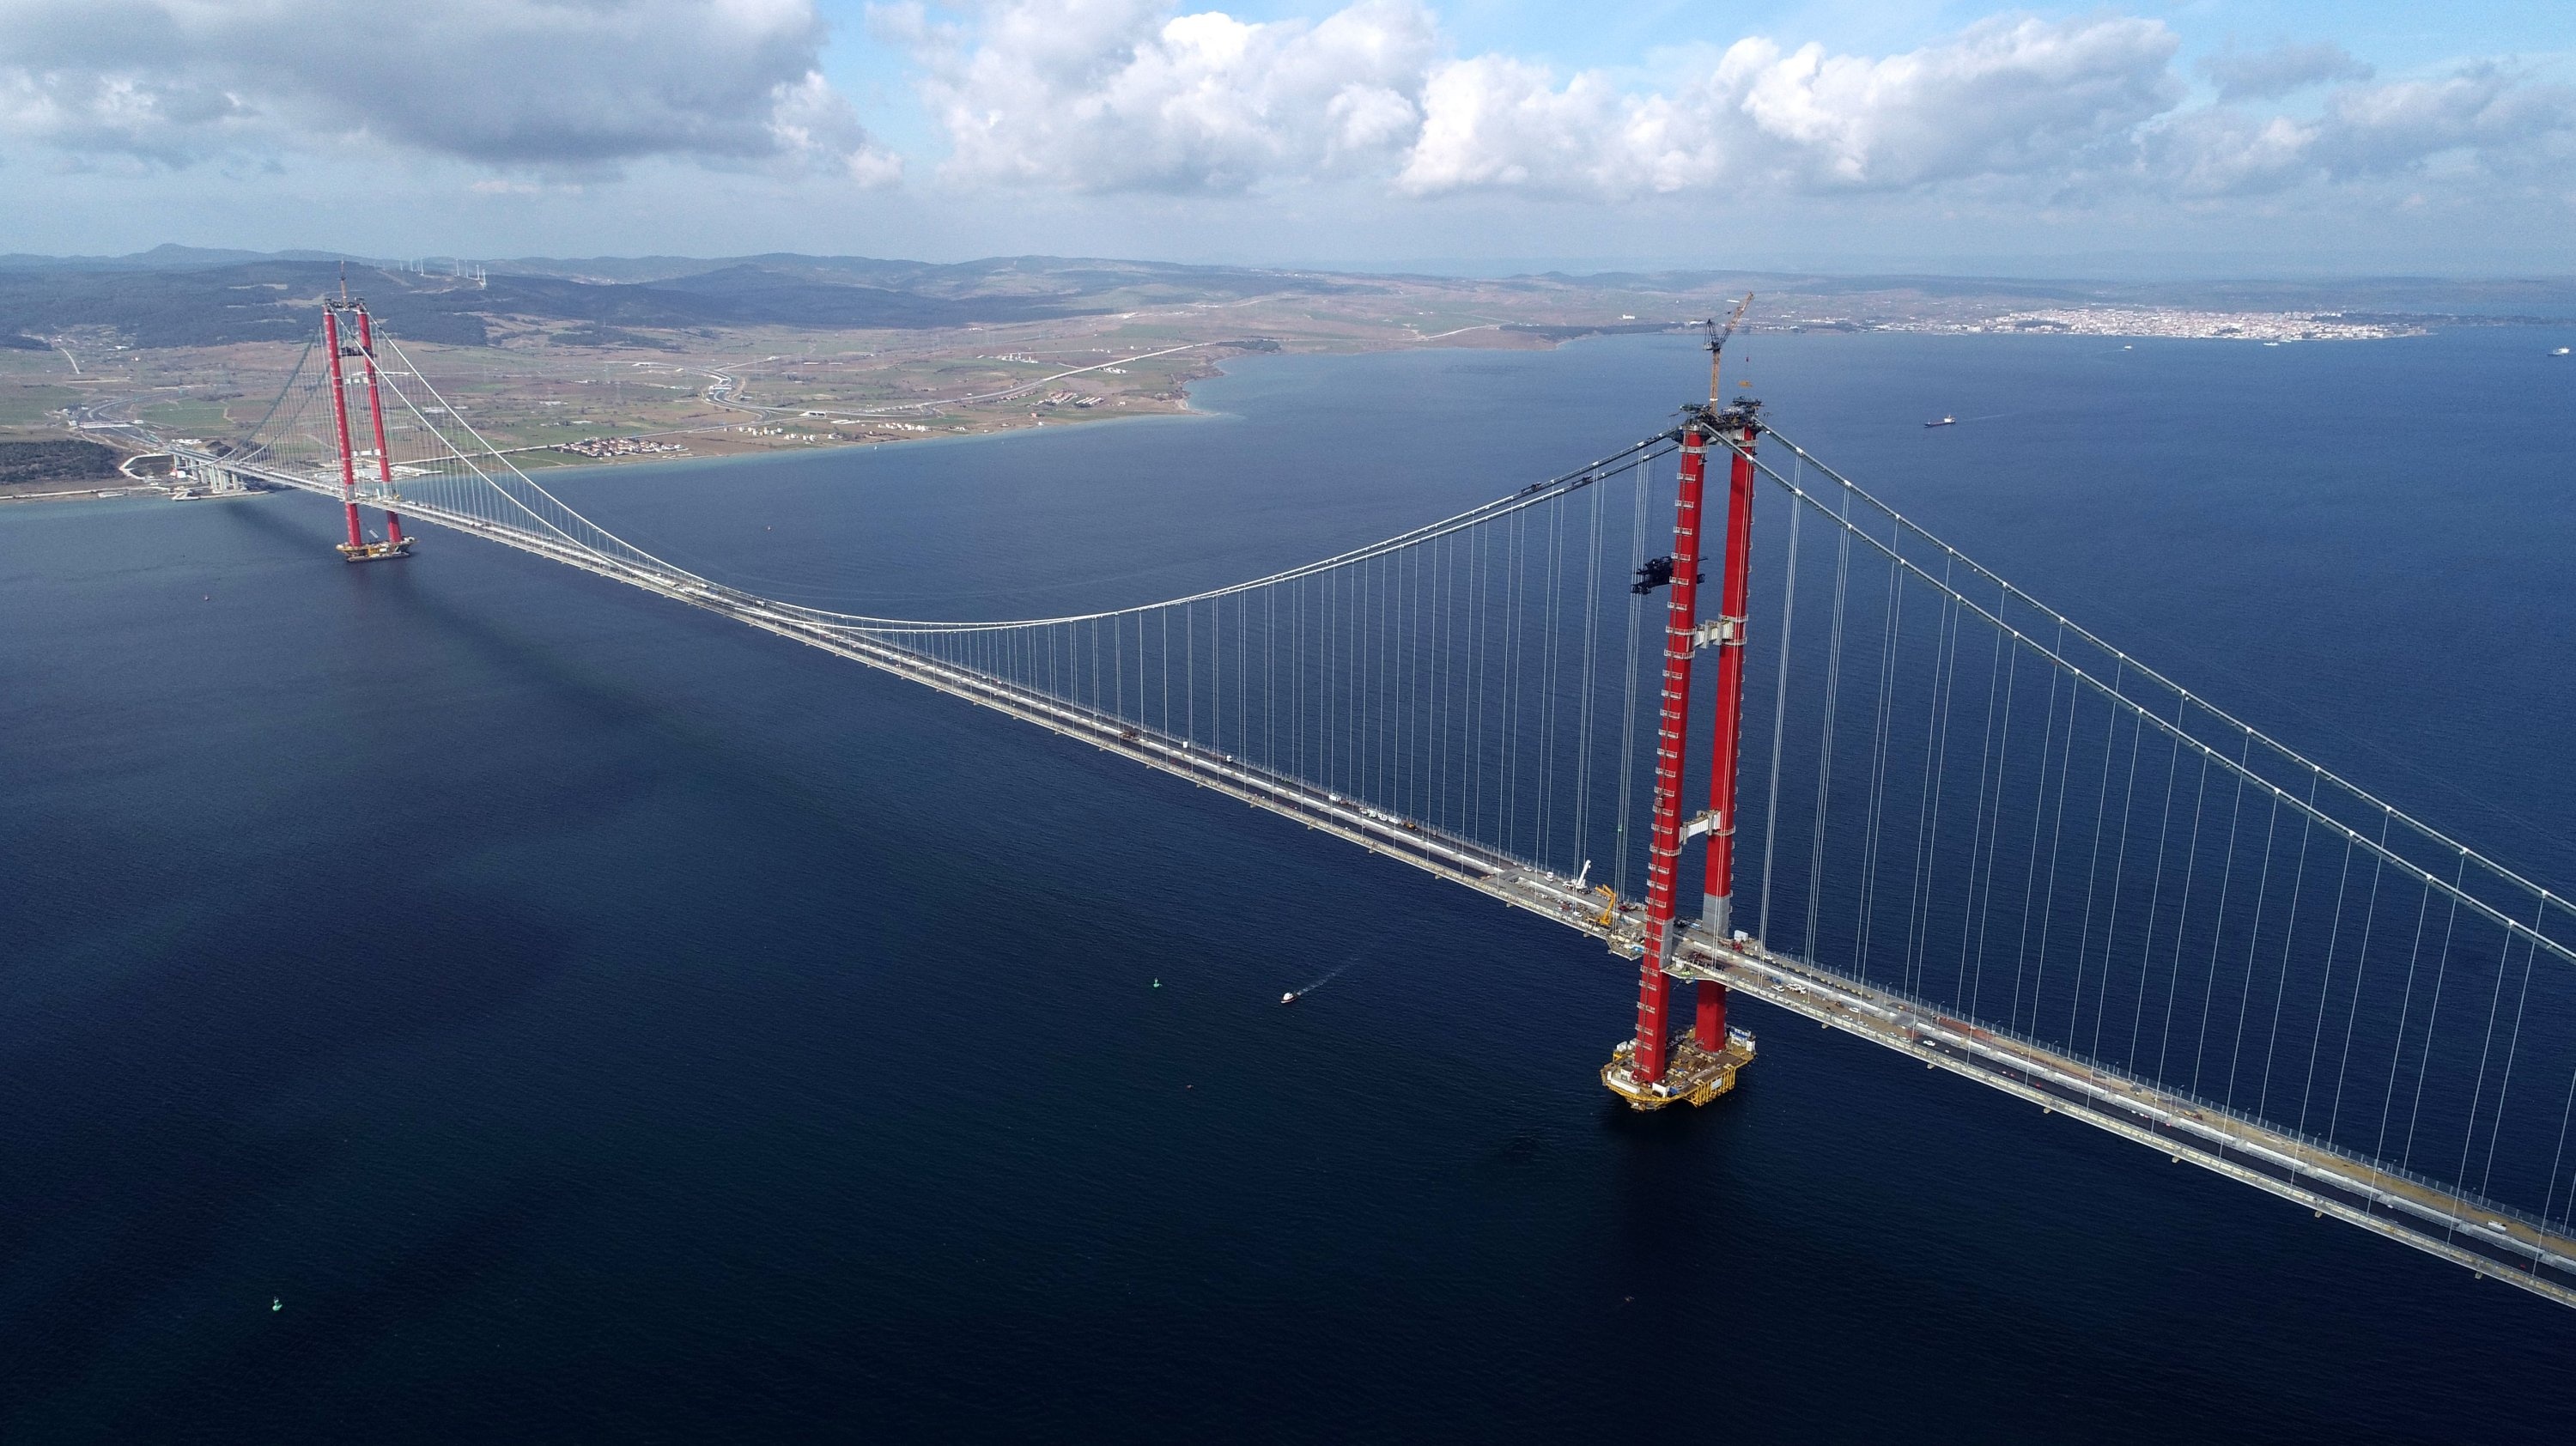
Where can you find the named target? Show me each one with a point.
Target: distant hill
(174, 296)
(160, 258)
(212, 306)
(991, 275)
(2429, 298)
(184, 296)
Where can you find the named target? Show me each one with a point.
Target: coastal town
(2184, 324)
(602, 449)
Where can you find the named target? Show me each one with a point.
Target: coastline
(1187, 407)
(1186, 412)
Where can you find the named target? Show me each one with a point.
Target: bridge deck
(2488, 1239)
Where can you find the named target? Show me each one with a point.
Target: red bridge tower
(1654, 1069)
(339, 343)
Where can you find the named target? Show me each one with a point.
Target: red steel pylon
(357, 543)
(1639, 1068)
(376, 414)
(1672, 730)
(357, 548)
(1735, 590)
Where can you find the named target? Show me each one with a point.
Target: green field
(201, 419)
(28, 405)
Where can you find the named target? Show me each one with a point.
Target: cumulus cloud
(1122, 95)
(2482, 121)
(1125, 95)
(1132, 95)
(2006, 97)
(1493, 122)
(2282, 70)
(572, 84)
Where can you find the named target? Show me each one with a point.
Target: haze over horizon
(2282, 137)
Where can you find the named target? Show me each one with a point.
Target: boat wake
(1293, 995)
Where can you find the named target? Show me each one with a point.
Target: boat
(1944, 422)
(1288, 998)
(2562, 351)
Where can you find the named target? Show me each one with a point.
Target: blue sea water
(468, 1000)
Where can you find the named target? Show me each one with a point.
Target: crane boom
(1717, 343)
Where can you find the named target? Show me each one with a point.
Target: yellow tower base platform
(1692, 1075)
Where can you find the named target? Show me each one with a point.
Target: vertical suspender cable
(2325, 984)
(1628, 697)
(1507, 772)
(1472, 785)
(2253, 943)
(2038, 816)
(1591, 641)
(2155, 899)
(2405, 1012)
(1825, 739)
(1992, 832)
(1883, 712)
(2093, 870)
(2289, 936)
(2469, 1134)
(1927, 810)
(1780, 707)
(2182, 914)
(2360, 963)
(2558, 1157)
(2218, 922)
(2530, 956)
(2056, 838)
(2433, 1014)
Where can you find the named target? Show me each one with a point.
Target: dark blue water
(588, 1019)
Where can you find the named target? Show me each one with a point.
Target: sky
(2267, 137)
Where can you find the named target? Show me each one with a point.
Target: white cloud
(2222, 151)
(1493, 122)
(2281, 70)
(2483, 115)
(2005, 98)
(1120, 95)
(2480, 123)
(1107, 96)
(1125, 95)
(1366, 104)
(565, 84)
(812, 123)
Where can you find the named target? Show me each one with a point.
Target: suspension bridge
(2070, 880)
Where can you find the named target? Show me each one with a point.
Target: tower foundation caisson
(1691, 1074)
